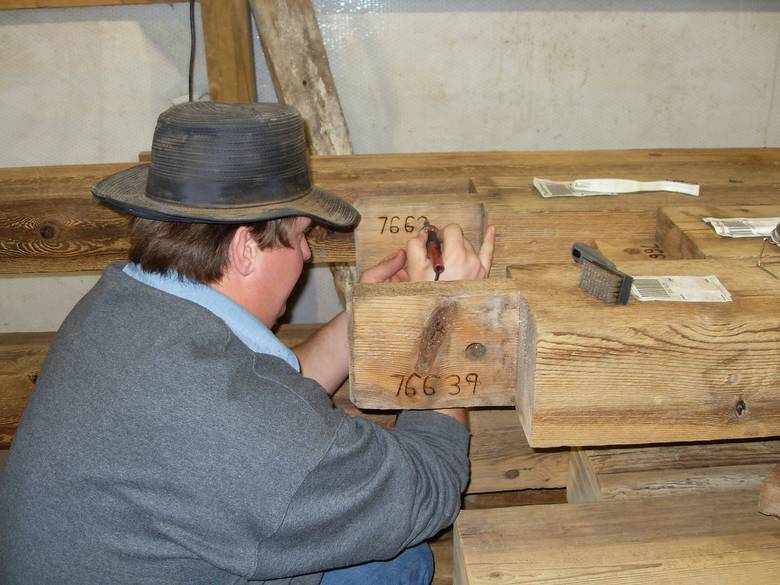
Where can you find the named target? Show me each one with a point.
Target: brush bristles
(606, 284)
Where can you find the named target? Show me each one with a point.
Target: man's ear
(242, 250)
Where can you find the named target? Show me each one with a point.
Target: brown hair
(198, 251)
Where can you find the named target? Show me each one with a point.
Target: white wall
(85, 85)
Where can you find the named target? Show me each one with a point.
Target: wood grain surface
(697, 539)
(654, 372)
(434, 344)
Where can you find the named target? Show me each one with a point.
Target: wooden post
(227, 33)
(299, 68)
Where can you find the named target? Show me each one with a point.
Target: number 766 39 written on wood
(452, 384)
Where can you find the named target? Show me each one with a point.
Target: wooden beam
(654, 372)
(696, 539)
(227, 37)
(21, 4)
(434, 344)
(299, 68)
(529, 228)
(769, 498)
(650, 471)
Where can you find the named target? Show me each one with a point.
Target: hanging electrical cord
(192, 48)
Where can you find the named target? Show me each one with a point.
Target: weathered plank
(227, 38)
(657, 470)
(598, 374)
(701, 538)
(769, 497)
(681, 231)
(387, 223)
(299, 68)
(434, 344)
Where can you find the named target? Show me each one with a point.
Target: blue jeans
(414, 566)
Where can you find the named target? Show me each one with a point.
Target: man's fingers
(415, 250)
(486, 251)
(386, 268)
(451, 236)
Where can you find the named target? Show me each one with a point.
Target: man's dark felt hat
(225, 163)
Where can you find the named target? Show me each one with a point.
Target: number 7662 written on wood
(452, 384)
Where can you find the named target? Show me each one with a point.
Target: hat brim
(126, 192)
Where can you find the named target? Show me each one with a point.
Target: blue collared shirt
(255, 335)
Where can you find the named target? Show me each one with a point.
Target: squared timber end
(434, 344)
(388, 222)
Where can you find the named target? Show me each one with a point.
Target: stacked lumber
(641, 377)
(584, 373)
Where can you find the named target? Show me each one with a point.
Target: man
(171, 438)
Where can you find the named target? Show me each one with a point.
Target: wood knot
(511, 473)
(47, 232)
(434, 332)
(741, 407)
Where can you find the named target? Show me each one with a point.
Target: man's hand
(460, 260)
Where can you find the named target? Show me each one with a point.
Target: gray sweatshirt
(157, 448)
